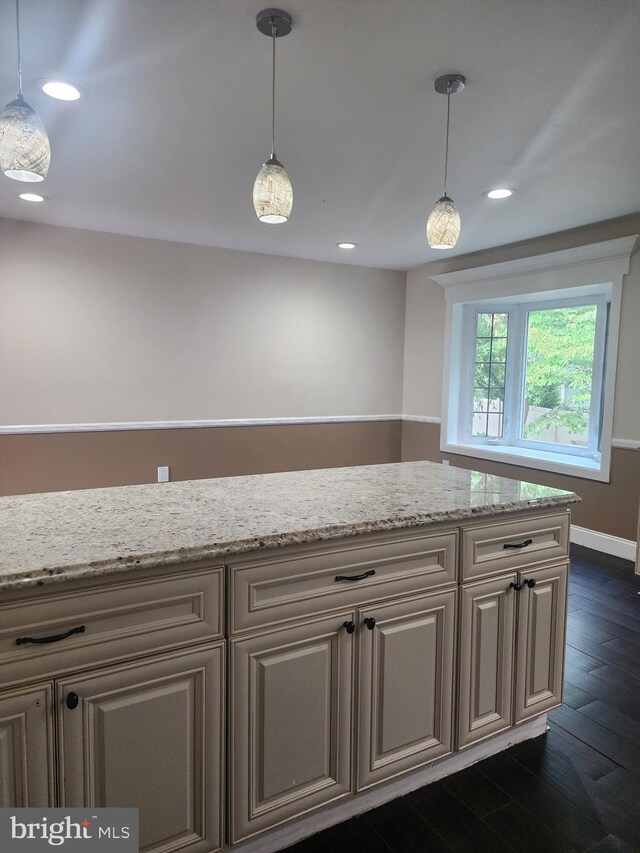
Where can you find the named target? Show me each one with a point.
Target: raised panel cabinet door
(26, 748)
(406, 660)
(487, 636)
(290, 718)
(149, 735)
(540, 644)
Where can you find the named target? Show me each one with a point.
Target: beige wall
(424, 344)
(103, 328)
(89, 460)
(98, 327)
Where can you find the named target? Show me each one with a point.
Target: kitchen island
(250, 659)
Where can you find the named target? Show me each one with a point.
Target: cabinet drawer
(272, 591)
(488, 549)
(119, 620)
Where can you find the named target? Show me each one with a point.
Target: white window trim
(598, 267)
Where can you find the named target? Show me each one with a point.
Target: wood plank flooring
(577, 788)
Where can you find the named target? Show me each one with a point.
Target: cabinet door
(137, 738)
(406, 681)
(290, 718)
(26, 748)
(487, 635)
(540, 644)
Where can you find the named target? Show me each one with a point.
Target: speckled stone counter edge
(217, 551)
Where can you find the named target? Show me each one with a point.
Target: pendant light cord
(274, 33)
(18, 40)
(446, 149)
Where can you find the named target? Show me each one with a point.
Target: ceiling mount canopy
(449, 84)
(443, 225)
(25, 152)
(272, 190)
(269, 18)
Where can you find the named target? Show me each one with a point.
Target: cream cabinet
(118, 700)
(73, 626)
(512, 631)
(27, 748)
(134, 735)
(485, 682)
(328, 707)
(299, 583)
(405, 685)
(291, 695)
(505, 546)
(540, 639)
(344, 665)
(353, 663)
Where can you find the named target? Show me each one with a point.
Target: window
(561, 385)
(530, 359)
(534, 375)
(489, 371)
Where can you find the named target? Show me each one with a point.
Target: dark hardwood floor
(577, 788)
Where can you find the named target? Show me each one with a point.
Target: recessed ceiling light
(61, 91)
(500, 192)
(346, 245)
(32, 197)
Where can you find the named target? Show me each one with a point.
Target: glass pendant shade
(273, 193)
(24, 145)
(443, 225)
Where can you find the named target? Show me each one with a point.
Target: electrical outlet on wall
(444, 462)
(163, 473)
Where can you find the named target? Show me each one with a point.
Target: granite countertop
(58, 536)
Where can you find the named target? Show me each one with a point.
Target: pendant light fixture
(272, 191)
(443, 225)
(24, 145)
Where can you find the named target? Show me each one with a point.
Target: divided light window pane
(489, 374)
(559, 373)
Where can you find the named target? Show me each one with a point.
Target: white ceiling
(177, 121)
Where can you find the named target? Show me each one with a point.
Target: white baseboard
(613, 545)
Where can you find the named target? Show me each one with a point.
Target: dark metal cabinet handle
(521, 545)
(370, 622)
(53, 639)
(350, 627)
(72, 701)
(530, 582)
(356, 577)
(516, 586)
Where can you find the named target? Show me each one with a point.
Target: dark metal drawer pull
(521, 545)
(54, 639)
(356, 577)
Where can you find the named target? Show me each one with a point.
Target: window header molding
(583, 265)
